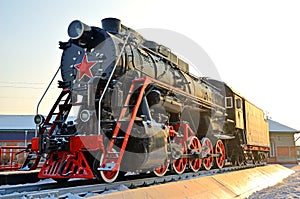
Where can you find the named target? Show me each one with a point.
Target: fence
(9, 159)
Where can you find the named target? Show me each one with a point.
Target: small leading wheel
(162, 170)
(208, 148)
(194, 145)
(179, 165)
(220, 149)
(109, 176)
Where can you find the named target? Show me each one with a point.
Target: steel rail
(83, 187)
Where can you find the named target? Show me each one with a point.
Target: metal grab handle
(38, 105)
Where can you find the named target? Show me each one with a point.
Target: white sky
(255, 45)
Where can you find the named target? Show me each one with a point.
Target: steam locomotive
(128, 104)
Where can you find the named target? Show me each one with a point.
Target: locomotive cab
(247, 126)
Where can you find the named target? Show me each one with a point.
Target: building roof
(16, 122)
(276, 127)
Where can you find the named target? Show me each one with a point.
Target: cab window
(228, 102)
(238, 103)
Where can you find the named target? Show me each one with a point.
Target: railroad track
(84, 187)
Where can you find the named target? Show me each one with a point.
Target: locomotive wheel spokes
(220, 149)
(179, 165)
(162, 170)
(207, 145)
(109, 176)
(194, 145)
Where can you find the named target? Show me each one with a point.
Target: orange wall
(284, 148)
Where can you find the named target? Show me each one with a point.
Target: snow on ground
(43, 181)
(287, 189)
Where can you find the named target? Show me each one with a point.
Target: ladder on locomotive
(63, 105)
(112, 159)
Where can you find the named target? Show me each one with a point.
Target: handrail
(38, 105)
(109, 79)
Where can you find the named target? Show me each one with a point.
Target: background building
(298, 153)
(16, 130)
(282, 143)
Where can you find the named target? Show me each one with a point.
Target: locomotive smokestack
(112, 25)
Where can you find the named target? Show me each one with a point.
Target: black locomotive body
(129, 104)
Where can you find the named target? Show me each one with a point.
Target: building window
(272, 149)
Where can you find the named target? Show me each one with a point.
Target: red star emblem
(84, 67)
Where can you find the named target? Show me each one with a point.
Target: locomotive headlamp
(76, 29)
(85, 115)
(39, 119)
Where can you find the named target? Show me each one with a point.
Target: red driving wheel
(179, 165)
(208, 148)
(162, 170)
(194, 145)
(109, 176)
(220, 149)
